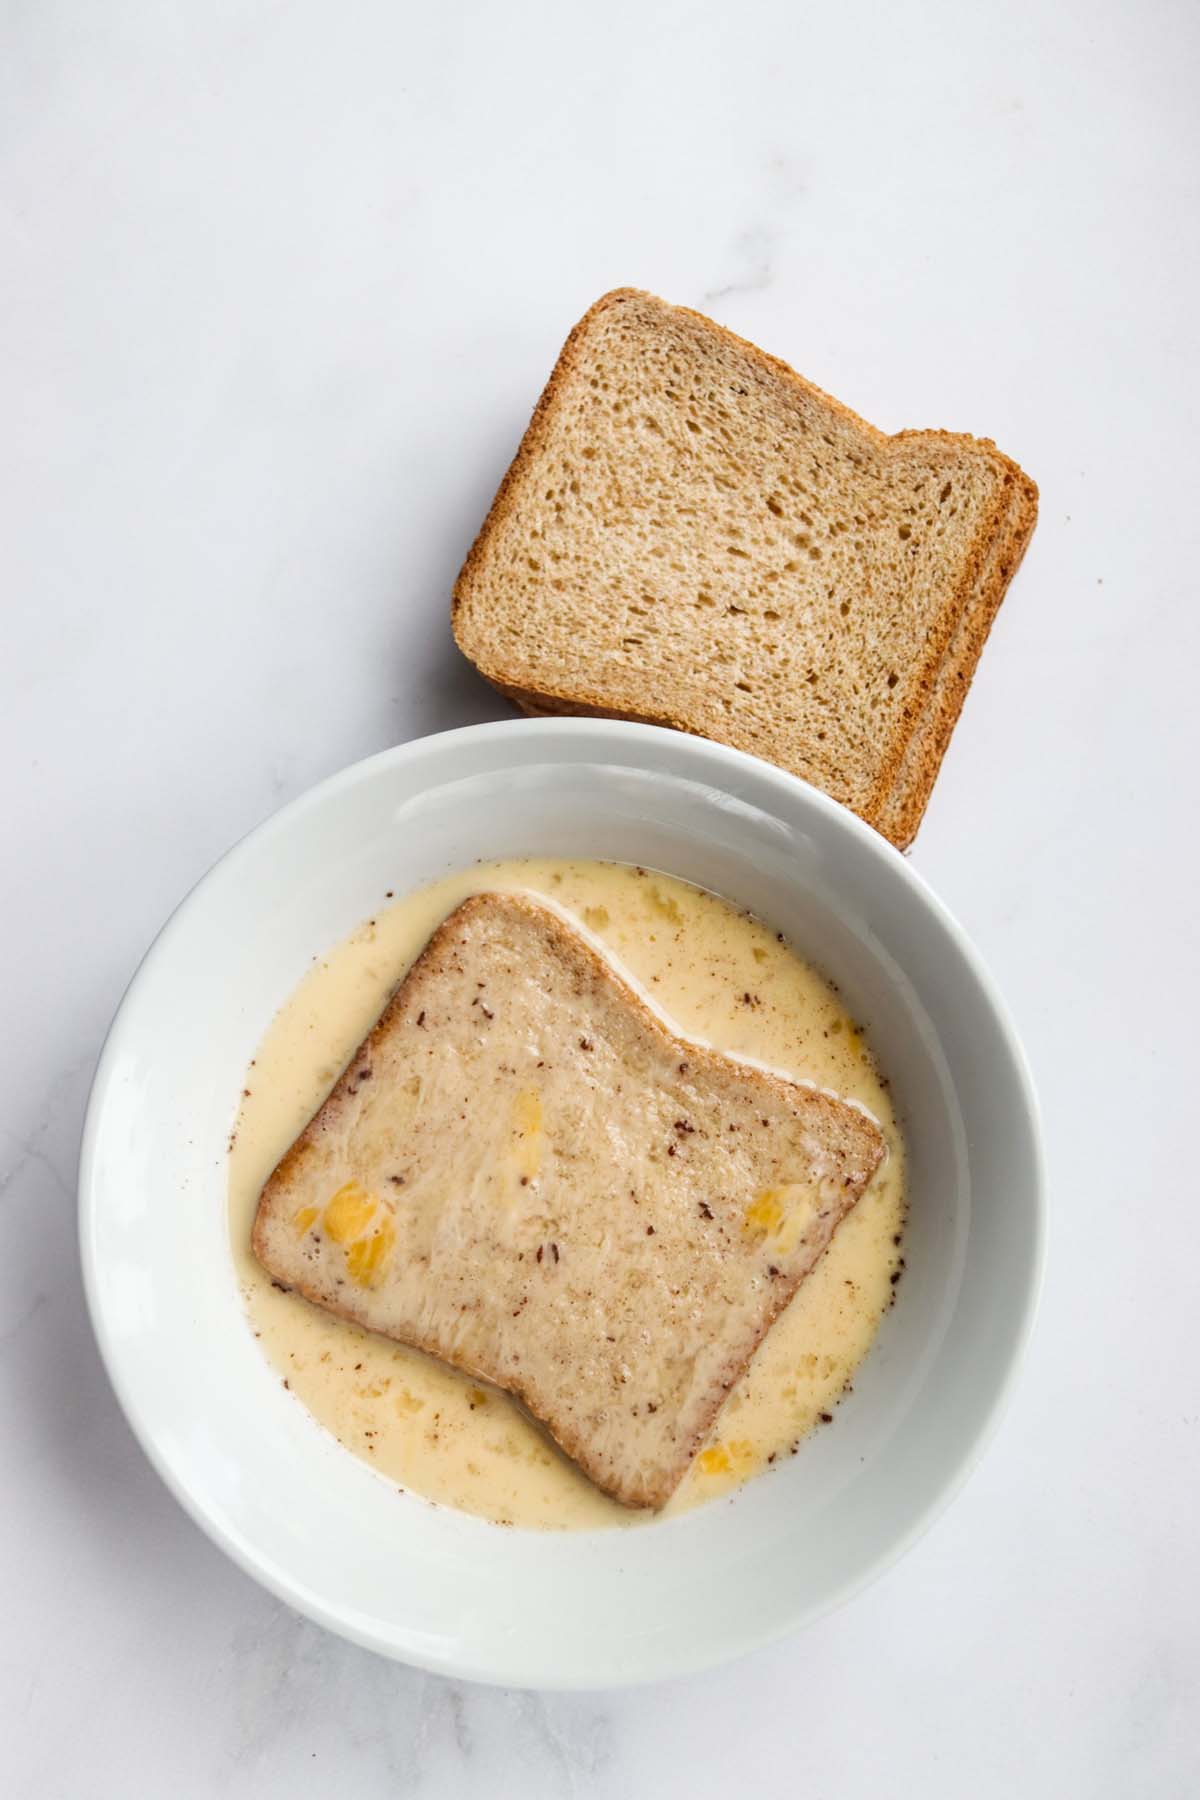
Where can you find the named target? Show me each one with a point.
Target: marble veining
(753, 260)
(281, 288)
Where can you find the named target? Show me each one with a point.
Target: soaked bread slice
(524, 1172)
(692, 535)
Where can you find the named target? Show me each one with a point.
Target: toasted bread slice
(692, 535)
(524, 1172)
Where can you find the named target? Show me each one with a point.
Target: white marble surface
(281, 283)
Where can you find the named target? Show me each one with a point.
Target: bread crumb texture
(603, 1222)
(693, 535)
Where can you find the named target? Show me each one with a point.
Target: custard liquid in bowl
(442, 1588)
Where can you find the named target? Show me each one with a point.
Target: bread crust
(950, 653)
(903, 808)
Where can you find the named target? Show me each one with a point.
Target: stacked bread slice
(691, 534)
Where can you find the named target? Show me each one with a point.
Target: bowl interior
(447, 1590)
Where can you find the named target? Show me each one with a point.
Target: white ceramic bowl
(439, 1588)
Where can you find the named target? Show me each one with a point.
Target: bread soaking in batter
(721, 977)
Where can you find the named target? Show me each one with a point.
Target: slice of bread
(524, 1172)
(901, 811)
(692, 535)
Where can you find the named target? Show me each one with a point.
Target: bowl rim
(719, 757)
